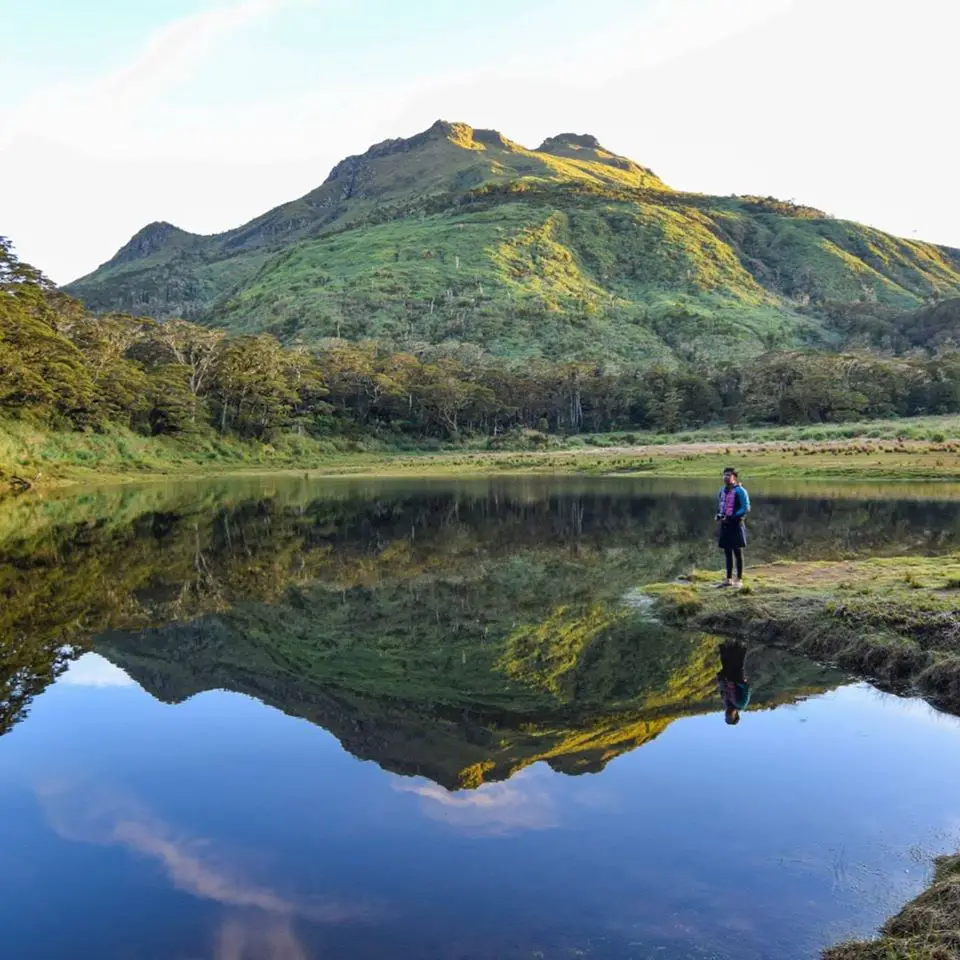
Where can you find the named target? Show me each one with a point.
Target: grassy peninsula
(890, 619)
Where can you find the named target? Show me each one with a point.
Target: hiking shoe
(737, 585)
(723, 583)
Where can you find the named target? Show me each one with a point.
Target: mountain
(458, 234)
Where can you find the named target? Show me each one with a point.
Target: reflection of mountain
(478, 577)
(419, 683)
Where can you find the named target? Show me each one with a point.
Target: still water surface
(269, 720)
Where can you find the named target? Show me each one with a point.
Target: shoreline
(927, 928)
(842, 461)
(892, 620)
(905, 449)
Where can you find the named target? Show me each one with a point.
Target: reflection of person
(733, 504)
(732, 681)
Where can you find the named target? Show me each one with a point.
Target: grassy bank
(928, 928)
(937, 429)
(892, 620)
(926, 449)
(49, 458)
(840, 460)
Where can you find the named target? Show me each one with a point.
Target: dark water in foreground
(275, 721)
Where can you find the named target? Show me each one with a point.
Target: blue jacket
(736, 695)
(741, 505)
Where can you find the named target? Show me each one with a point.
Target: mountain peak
(585, 146)
(149, 240)
(578, 141)
(159, 229)
(446, 129)
(462, 135)
(459, 134)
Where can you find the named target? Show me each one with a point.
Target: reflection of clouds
(244, 938)
(188, 872)
(491, 808)
(260, 925)
(92, 670)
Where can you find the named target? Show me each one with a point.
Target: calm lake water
(282, 720)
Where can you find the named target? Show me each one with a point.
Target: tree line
(66, 368)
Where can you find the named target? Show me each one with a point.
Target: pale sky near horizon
(207, 113)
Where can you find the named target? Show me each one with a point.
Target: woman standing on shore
(733, 504)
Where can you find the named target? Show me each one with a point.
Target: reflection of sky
(92, 670)
(259, 921)
(219, 828)
(520, 804)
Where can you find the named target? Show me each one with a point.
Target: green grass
(47, 457)
(522, 279)
(897, 450)
(891, 619)
(938, 429)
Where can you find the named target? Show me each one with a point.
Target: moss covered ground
(894, 620)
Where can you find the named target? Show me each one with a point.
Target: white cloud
(175, 49)
(167, 59)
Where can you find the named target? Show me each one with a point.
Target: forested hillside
(460, 236)
(67, 369)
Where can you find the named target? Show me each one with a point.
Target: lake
(281, 719)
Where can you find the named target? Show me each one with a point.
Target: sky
(206, 113)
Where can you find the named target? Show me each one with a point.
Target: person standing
(733, 504)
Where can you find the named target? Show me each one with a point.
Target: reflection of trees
(26, 668)
(453, 697)
(457, 578)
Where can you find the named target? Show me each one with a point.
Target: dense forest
(63, 367)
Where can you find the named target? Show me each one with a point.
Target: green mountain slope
(461, 235)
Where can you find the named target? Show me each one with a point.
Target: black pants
(733, 655)
(731, 554)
